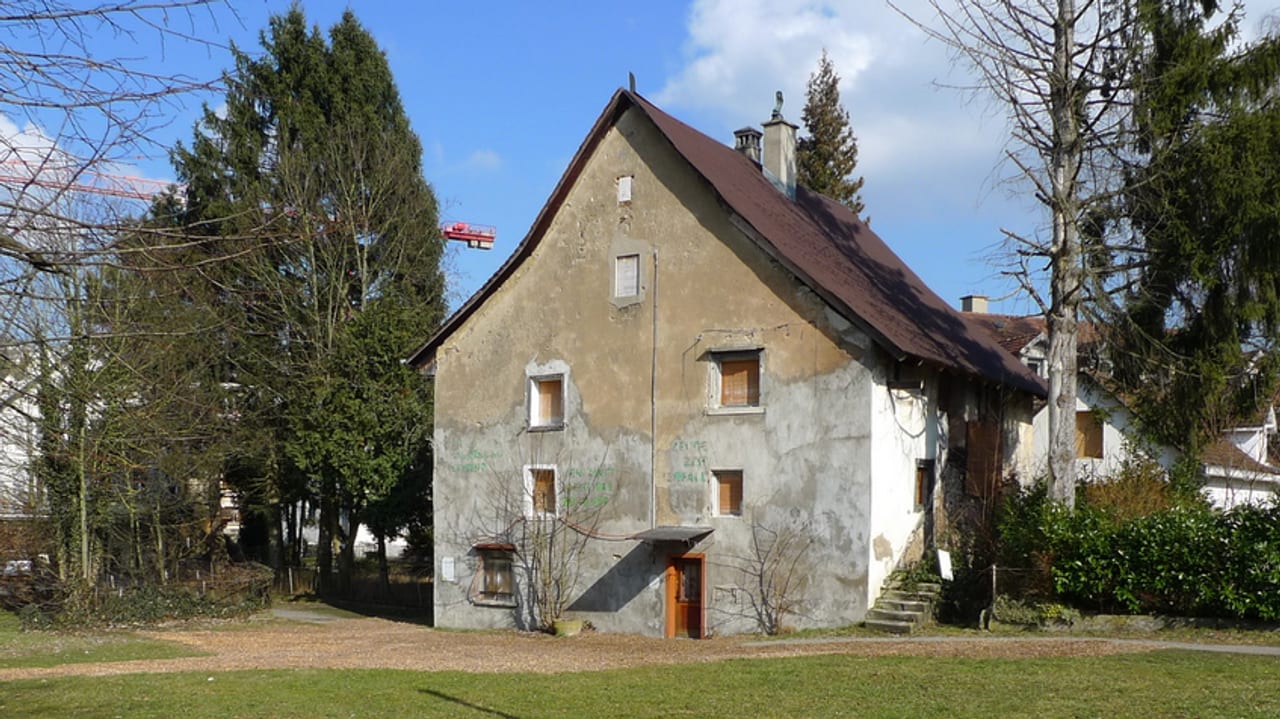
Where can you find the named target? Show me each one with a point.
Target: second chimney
(780, 151)
(747, 141)
(976, 304)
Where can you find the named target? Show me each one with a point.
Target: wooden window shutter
(729, 493)
(544, 491)
(1088, 435)
(626, 277)
(982, 471)
(740, 382)
(550, 401)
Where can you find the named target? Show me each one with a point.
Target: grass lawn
(47, 649)
(1162, 684)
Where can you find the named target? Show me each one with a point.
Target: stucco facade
(600, 362)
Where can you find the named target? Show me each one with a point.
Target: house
(1238, 468)
(699, 398)
(1105, 433)
(1243, 466)
(18, 439)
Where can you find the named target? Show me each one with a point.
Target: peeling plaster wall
(906, 433)
(806, 455)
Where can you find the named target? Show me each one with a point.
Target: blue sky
(502, 93)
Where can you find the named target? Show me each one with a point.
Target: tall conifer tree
(1196, 340)
(827, 158)
(310, 187)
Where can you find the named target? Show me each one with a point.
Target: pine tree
(1196, 332)
(328, 270)
(827, 158)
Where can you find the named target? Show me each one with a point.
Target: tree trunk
(384, 571)
(1065, 279)
(324, 544)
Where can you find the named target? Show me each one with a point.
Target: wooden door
(684, 596)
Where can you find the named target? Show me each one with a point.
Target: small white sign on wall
(446, 570)
(944, 565)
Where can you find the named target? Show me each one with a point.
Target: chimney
(747, 141)
(976, 304)
(780, 151)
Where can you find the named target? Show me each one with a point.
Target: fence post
(993, 584)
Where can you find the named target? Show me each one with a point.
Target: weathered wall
(637, 424)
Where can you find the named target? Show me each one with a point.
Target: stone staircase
(901, 609)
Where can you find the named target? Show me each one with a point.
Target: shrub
(1120, 550)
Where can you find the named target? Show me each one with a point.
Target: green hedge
(1184, 560)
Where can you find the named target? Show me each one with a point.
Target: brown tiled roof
(1222, 453)
(1013, 332)
(820, 241)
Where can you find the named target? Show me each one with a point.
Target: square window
(626, 276)
(541, 491)
(737, 379)
(1088, 435)
(728, 489)
(497, 577)
(546, 402)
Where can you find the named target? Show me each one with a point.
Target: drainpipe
(653, 404)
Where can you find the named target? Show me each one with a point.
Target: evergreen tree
(1197, 340)
(310, 188)
(826, 159)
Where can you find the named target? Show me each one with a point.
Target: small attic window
(626, 275)
(624, 190)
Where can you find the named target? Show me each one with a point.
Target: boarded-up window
(739, 379)
(1088, 435)
(543, 488)
(982, 470)
(626, 276)
(728, 492)
(546, 402)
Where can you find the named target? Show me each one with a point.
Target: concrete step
(888, 625)
(903, 605)
(915, 618)
(898, 595)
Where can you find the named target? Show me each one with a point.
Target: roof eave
(426, 352)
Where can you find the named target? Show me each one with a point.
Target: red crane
(476, 236)
(68, 178)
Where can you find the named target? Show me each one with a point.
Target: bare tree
(1057, 69)
(75, 116)
(774, 573)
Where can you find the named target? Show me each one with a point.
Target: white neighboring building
(1105, 436)
(18, 440)
(1238, 469)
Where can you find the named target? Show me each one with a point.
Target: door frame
(669, 593)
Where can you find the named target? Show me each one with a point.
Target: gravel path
(368, 643)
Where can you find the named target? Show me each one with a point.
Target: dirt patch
(368, 643)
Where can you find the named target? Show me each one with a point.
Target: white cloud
(484, 160)
(911, 132)
(740, 51)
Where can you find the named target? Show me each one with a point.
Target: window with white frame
(546, 402)
(626, 275)
(726, 500)
(541, 491)
(735, 380)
